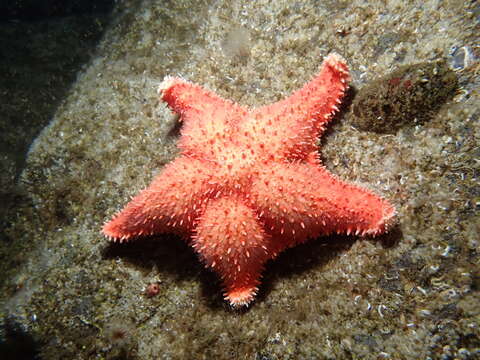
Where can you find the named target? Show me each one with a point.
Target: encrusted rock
(408, 96)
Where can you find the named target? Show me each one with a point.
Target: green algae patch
(411, 95)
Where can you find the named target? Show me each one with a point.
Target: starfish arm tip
(167, 83)
(334, 58)
(386, 222)
(241, 297)
(111, 232)
(339, 64)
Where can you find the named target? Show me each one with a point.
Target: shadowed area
(176, 260)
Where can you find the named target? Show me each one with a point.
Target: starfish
(249, 183)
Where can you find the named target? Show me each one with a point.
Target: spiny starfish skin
(249, 182)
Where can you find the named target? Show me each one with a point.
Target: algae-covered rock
(408, 96)
(66, 293)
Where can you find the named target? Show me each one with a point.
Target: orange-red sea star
(249, 182)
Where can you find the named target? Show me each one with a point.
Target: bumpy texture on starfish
(249, 183)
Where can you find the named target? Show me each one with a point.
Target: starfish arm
(207, 118)
(301, 201)
(231, 241)
(170, 204)
(293, 125)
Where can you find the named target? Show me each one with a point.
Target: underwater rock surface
(69, 294)
(409, 96)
